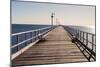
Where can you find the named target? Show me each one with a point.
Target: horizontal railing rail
(86, 41)
(29, 31)
(22, 39)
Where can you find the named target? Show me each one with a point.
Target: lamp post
(56, 21)
(52, 16)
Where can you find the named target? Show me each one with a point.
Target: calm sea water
(85, 29)
(25, 27)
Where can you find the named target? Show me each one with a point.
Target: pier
(57, 45)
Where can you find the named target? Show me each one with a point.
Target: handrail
(22, 42)
(31, 37)
(83, 39)
(27, 40)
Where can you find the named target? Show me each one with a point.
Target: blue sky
(39, 13)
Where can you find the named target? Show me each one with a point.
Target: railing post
(83, 37)
(92, 41)
(86, 39)
(95, 43)
(80, 35)
(25, 38)
(31, 36)
(17, 42)
(76, 33)
(38, 34)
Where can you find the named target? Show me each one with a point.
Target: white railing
(85, 40)
(15, 47)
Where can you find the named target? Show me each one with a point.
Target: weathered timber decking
(56, 48)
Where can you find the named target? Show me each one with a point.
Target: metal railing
(85, 41)
(23, 39)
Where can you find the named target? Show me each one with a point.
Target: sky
(40, 13)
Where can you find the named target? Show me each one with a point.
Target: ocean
(16, 28)
(85, 29)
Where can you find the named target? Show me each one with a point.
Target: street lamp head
(52, 15)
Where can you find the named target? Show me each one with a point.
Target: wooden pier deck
(55, 48)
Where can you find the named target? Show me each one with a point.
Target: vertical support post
(35, 35)
(38, 34)
(92, 41)
(76, 33)
(31, 36)
(95, 43)
(25, 39)
(17, 42)
(17, 39)
(80, 35)
(86, 39)
(83, 37)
